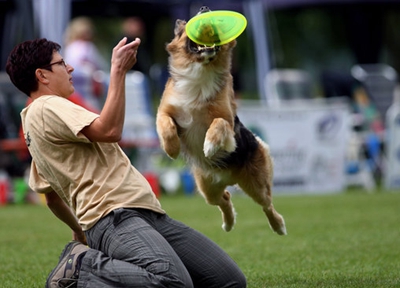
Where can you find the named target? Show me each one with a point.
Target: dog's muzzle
(206, 51)
(203, 50)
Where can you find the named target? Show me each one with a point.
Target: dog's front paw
(168, 135)
(172, 147)
(219, 136)
(209, 149)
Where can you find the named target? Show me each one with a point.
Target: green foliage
(344, 240)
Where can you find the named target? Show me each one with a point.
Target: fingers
(121, 42)
(133, 45)
(125, 53)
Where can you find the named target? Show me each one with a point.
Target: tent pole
(254, 12)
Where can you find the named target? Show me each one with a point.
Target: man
(90, 184)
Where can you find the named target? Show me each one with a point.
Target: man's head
(28, 59)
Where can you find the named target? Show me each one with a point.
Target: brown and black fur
(197, 116)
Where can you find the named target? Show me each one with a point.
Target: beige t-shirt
(92, 178)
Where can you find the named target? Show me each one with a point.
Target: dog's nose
(204, 9)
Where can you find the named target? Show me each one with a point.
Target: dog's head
(181, 45)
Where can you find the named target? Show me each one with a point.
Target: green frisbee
(216, 27)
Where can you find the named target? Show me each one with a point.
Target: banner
(307, 141)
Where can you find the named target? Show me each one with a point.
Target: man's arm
(108, 127)
(64, 213)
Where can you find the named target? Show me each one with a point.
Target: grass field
(344, 240)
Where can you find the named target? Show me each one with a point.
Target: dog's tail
(276, 220)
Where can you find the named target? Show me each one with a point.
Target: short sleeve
(37, 182)
(64, 120)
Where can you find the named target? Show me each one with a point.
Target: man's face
(60, 78)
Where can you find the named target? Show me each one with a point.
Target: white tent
(51, 17)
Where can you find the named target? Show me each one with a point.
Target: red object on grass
(153, 181)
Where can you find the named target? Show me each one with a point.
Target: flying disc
(216, 27)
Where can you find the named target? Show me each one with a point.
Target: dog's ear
(232, 44)
(179, 25)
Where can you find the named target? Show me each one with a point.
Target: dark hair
(25, 58)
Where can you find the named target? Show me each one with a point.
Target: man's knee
(169, 276)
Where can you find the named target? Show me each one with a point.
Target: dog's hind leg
(215, 194)
(256, 181)
(228, 212)
(262, 196)
(275, 219)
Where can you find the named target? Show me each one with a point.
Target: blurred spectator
(372, 120)
(338, 84)
(82, 54)
(12, 159)
(80, 50)
(133, 27)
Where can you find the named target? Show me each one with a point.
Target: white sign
(139, 128)
(307, 142)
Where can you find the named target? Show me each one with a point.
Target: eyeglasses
(61, 62)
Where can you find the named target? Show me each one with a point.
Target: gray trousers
(141, 248)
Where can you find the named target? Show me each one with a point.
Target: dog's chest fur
(195, 93)
(195, 85)
(195, 90)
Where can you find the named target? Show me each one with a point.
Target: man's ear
(41, 76)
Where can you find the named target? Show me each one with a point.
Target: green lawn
(344, 240)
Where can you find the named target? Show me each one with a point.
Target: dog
(197, 116)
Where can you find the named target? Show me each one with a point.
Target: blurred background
(316, 79)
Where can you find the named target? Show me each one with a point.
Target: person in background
(81, 53)
(90, 185)
(134, 27)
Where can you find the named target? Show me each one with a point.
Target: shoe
(66, 272)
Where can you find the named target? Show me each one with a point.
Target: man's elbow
(113, 136)
(102, 135)
(52, 199)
